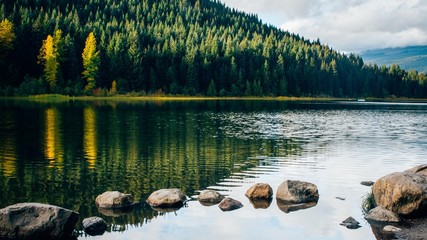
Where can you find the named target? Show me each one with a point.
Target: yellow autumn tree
(91, 62)
(7, 37)
(49, 57)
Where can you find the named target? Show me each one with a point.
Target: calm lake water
(68, 153)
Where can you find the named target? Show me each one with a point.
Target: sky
(346, 25)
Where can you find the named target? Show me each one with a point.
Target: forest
(176, 47)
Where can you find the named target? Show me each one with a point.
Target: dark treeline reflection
(67, 153)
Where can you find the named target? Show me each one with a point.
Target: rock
(390, 228)
(422, 170)
(297, 192)
(350, 223)
(94, 226)
(167, 198)
(229, 204)
(380, 214)
(340, 198)
(114, 199)
(36, 221)
(367, 183)
(287, 207)
(259, 190)
(402, 193)
(210, 197)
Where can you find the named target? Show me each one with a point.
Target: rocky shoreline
(400, 208)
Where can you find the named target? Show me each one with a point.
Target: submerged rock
(404, 193)
(380, 214)
(367, 183)
(210, 197)
(114, 199)
(297, 192)
(167, 198)
(350, 223)
(229, 204)
(94, 226)
(259, 190)
(36, 221)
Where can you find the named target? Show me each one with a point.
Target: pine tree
(91, 62)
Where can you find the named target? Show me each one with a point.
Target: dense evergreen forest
(189, 47)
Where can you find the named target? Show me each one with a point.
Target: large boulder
(167, 198)
(260, 190)
(404, 193)
(380, 214)
(114, 199)
(209, 197)
(36, 221)
(94, 226)
(297, 192)
(229, 204)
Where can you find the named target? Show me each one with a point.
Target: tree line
(188, 47)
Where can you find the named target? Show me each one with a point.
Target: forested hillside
(412, 57)
(184, 47)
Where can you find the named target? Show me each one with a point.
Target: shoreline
(58, 97)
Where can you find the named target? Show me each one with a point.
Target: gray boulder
(297, 192)
(36, 221)
(210, 197)
(114, 199)
(260, 190)
(404, 193)
(167, 198)
(380, 214)
(229, 204)
(94, 226)
(350, 223)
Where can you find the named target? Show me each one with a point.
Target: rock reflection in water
(288, 207)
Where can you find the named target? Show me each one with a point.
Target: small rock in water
(260, 190)
(390, 228)
(209, 197)
(380, 214)
(94, 226)
(367, 183)
(350, 223)
(340, 198)
(229, 204)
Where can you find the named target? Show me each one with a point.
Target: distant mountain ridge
(408, 58)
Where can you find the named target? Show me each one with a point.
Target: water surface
(67, 153)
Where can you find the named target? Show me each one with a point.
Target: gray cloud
(350, 25)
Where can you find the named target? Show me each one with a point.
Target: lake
(67, 153)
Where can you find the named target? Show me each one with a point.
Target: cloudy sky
(346, 25)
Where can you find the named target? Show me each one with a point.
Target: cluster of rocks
(398, 196)
(43, 221)
(290, 196)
